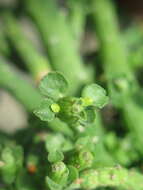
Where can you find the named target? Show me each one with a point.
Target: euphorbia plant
(72, 162)
(68, 147)
(72, 110)
(64, 163)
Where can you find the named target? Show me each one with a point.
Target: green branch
(123, 87)
(77, 18)
(59, 42)
(4, 48)
(112, 177)
(11, 80)
(36, 63)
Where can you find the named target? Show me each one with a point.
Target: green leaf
(19, 156)
(44, 111)
(54, 142)
(85, 159)
(82, 142)
(90, 114)
(55, 156)
(73, 174)
(59, 173)
(96, 93)
(52, 185)
(8, 170)
(24, 181)
(53, 85)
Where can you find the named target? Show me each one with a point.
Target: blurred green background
(87, 41)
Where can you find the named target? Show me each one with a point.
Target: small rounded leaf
(96, 93)
(53, 85)
(73, 174)
(55, 156)
(54, 142)
(82, 142)
(52, 185)
(90, 114)
(59, 173)
(44, 111)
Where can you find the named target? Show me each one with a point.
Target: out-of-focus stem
(123, 87)
(133, 37)
(109, 177)
(77, 18)
(36, 63)
(59, 42)
(104, 158)
(96, 132)
(4, 48)
(20, 88)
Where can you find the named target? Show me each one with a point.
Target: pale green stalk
(123, 87)
(36, 63)
(59, 41)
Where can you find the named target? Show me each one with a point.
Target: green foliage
(52, 185)
(11, 159)
(53, 86)
(72, 149)
(44, 112)
(95, 95)
(71, 110)
(55, 156)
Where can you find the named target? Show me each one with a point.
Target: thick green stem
(59, 41)
(36, 63)
(4, 48)
(112, 177)
(97, 133)
(133, 116)
(121, 82)
(20, 88)
(133, 37)
(112, 45)
(77, 18)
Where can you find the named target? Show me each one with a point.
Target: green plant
(37, 64)
(59, 41)
(123, 86)
(74, 111)
(75, 168)
(76, 137)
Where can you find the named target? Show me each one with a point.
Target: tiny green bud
(55, 108)
(70, 111)
(58, 168)
(59, 173)
(82, 159)
(86, 158)
(87, 101)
